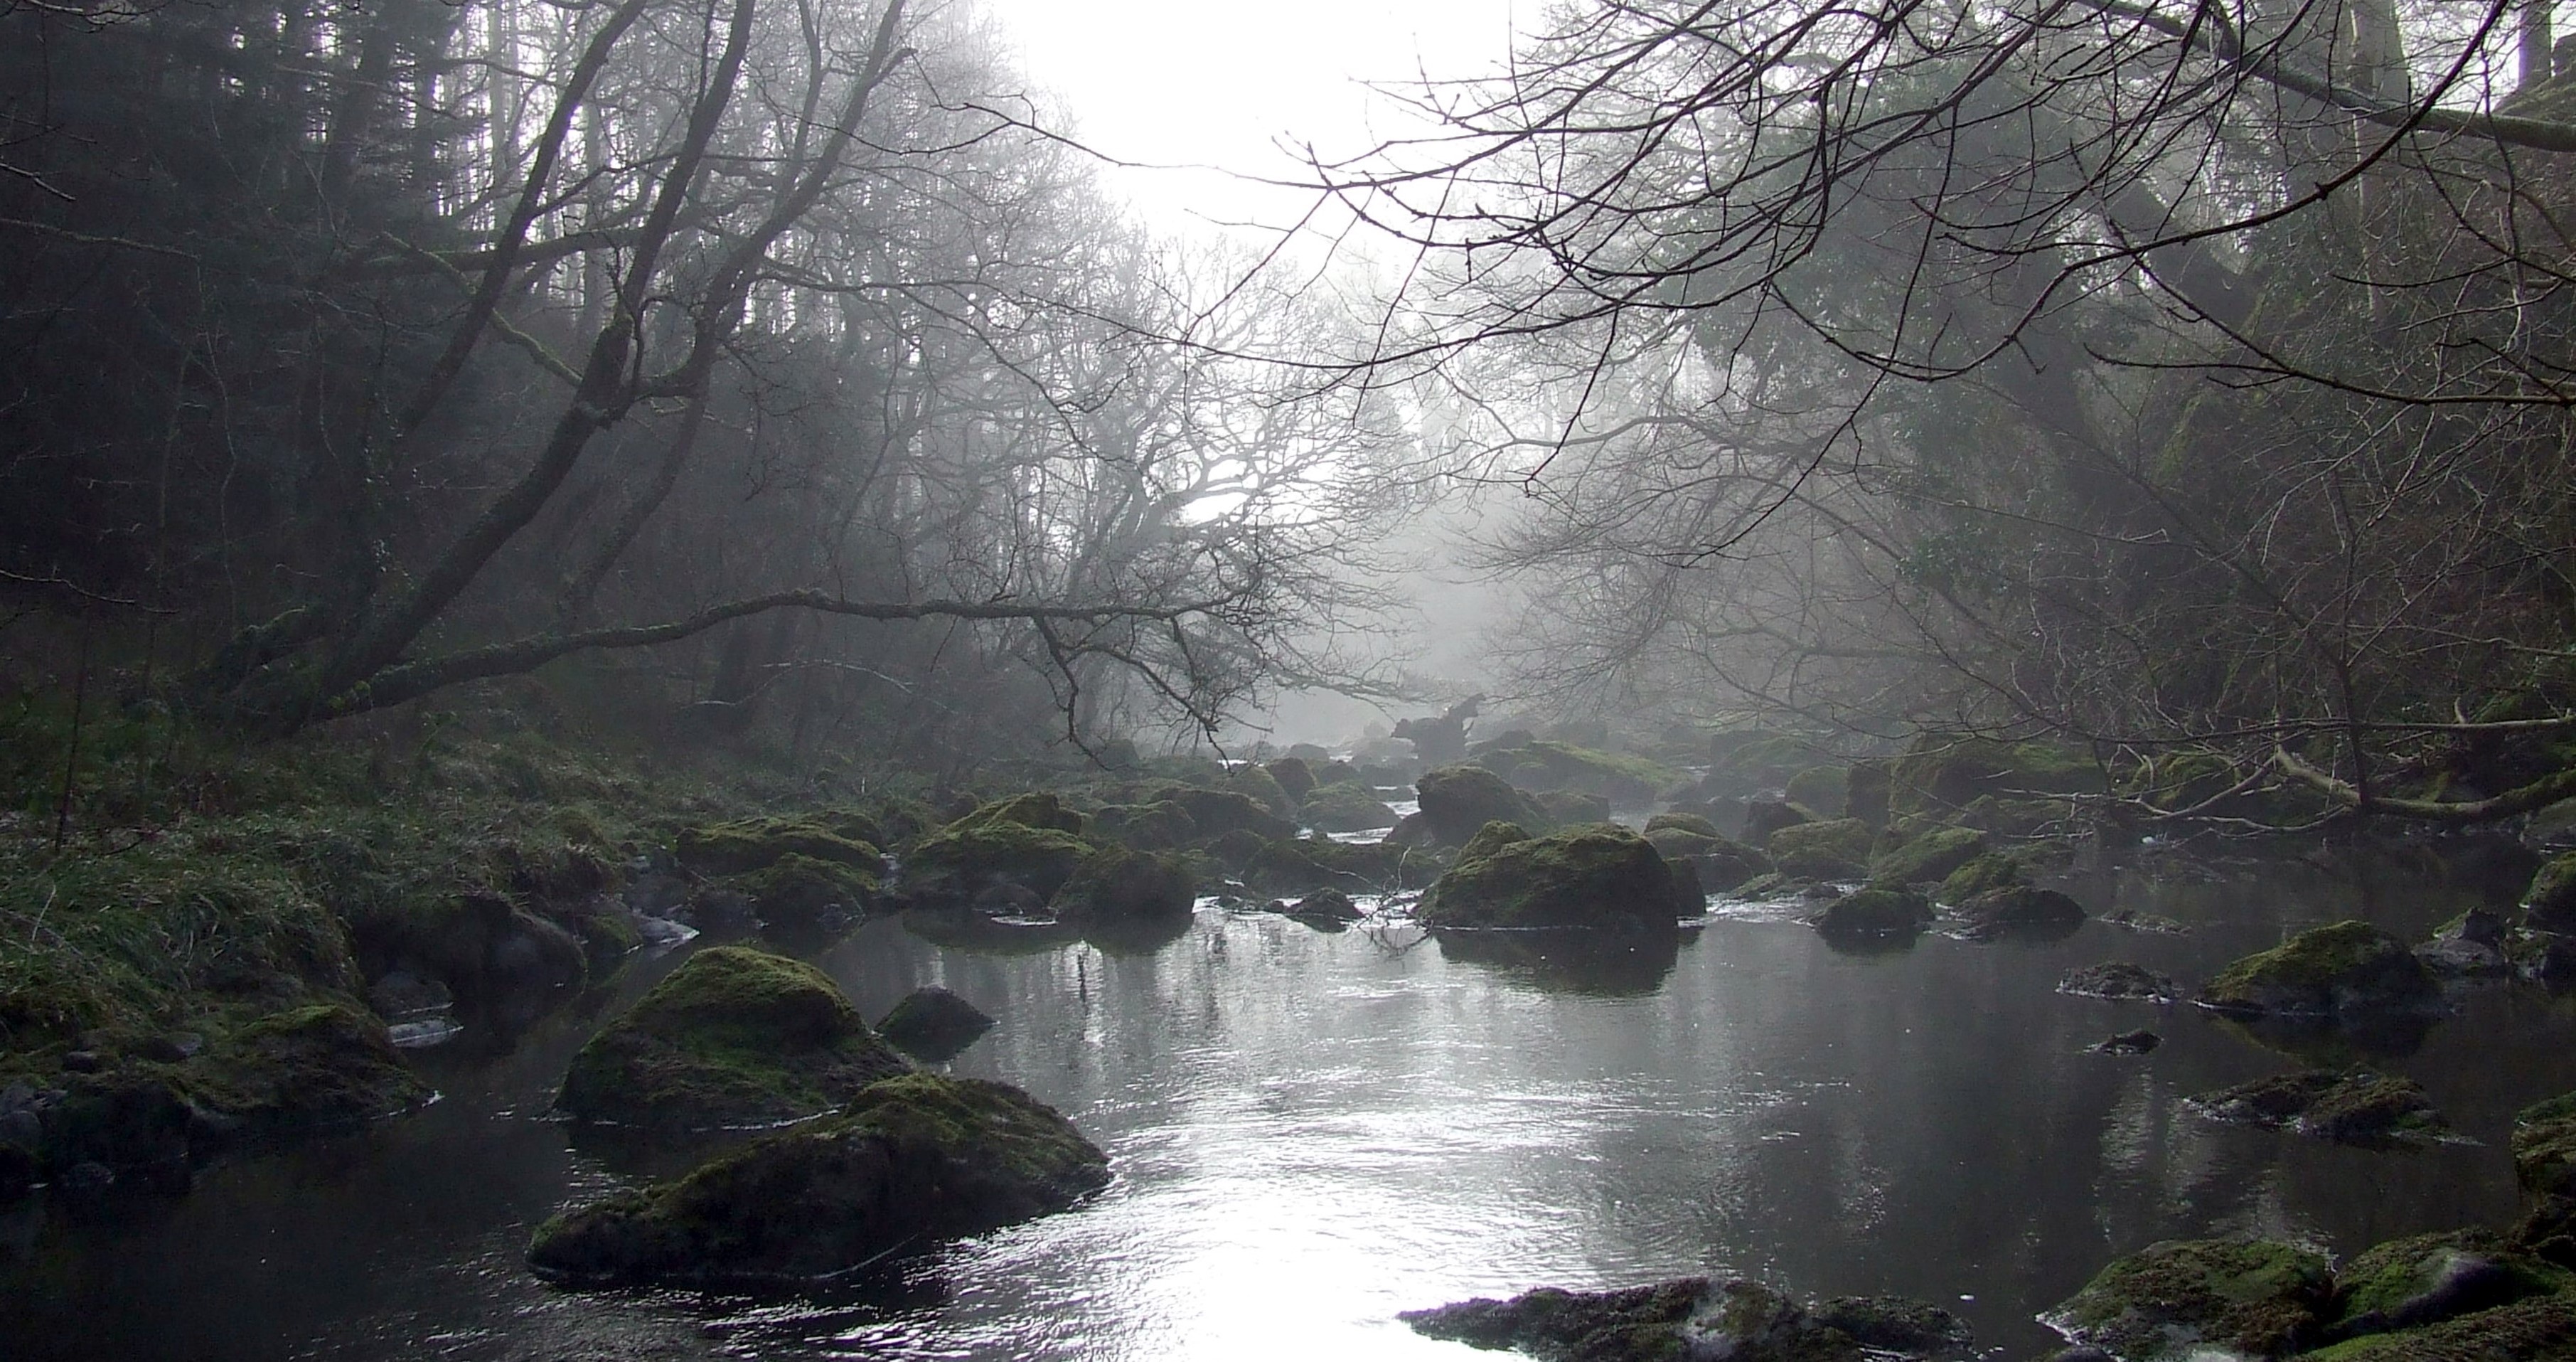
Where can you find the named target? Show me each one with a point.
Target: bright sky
(1223, 83)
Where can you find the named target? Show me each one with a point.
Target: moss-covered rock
(964, 861)
(1219, 812)
(1548, 766)
(2119, 981)
(731, 848)
(1982, 874)
(1326, 905)
(1878, 910)
(2347, 968)
(1836, 849)
(1692, 823)
(1294, 777)
(1457, 800)
(2346, 1106)
(2550, 904)
(2254, 1296)
(798, 890)
(1866, 789)
(934, 1023)
(2019, 910)
(1346, 807)
(2544, 1147)
(1824, 788)
(2428, 1278)
(1763, 818)
(1721, 864)
(2538, 1329)
(1928, 857)
(1600, 876)
(1938, 774)
(1159, 826)
(1040, 810)
(913, 1160)
(1114, 884)
(1695, 1317)
(733, 1037)
(1295, 865)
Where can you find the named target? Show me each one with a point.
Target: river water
(1312, 1131)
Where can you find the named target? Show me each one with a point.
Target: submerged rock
(733, 1037)
(1695, 1317)
(933, 1022)
(2119, 981)
(2168, 1300)
(914, 1160)
(2127, 1043)
(1601, 876)
(2345, 969)
(2348, 1107)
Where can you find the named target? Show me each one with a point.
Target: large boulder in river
(993, 851)
(1695, 1317)
(933, 1022)
(1346, 806)
(1720, 863)
(1114, 885)
(2191, 1298)
(2347, 969)
(2425, 1279)
(733, 1037)
(2019, 910)
(1458, 800)
(2550, 904)
(1875, 911)
(914, 1160)
(1928, 857)
(2544, 1147)
(1600, 876)
(1215, 813)
(1836, 849)
(2352, 1106)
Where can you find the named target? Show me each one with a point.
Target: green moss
(2538, 1329)
(2544, 1147)
(2349, 1106)
(1875, 911)
(1982, 874)
(912, 1161)
(1688, 1318)
(1931, 856)
(1836, 849)
(1938, 773)
(1682, 822)
(2019, 909)
(1457, 800)
(1546, 765)
(1116, 884)
(1216, 812)
(2346, 967)
(963, 859)
(2252, 1295)
(2409, 1283)
(1160, 826)
(1040, 811)
(1600, 876)
(1489, 839)
(732, 1037)
(2550, 903)
(1824, 788)
(755, 843)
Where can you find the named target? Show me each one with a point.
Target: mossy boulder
(733, 1037)
(1938, 774)
(933, 1022)
(2428, 1278)
(731, 848)
(1294, 777)
(1721, 864)
(1692, 823)
(968, 860)
(1216, 813)
(1981, 874)
(1548, 766)
(1457, 800)
(1115, 884)
(1039, 810)
(2175, 1299)
(1835, 849)
(1824, 788)
(2550, 904)
(1878, 910)
(1929, 857)
(1866, 788)
(800, 890)
(1695, 1317)
(1602, 876)
(2346, 1106)
(2538, 1329)
(1159, 826)
(2019, 910)
(2544, 1147)
(913, 1161)
(1347, 806)
(1765, 817)
(2348, 968)
(1326, 905)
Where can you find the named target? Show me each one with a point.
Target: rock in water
(2347, 969)
(2413, 1282)
(1598, 876)
(1458, 800)
(1836, 849)
(1116, 885)
(733, 1037)
(2019, 909)
(1875, 911)
(915, 1160)
(1693, 1317)
(2119, 981)
(933, 1021)
(2348, 1107)
(2544, 1147)
(2128, 1043)
(2168, 1300)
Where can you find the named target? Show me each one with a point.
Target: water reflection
(1603, 964)
(1312, 1131)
